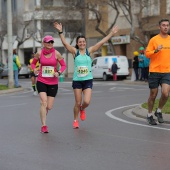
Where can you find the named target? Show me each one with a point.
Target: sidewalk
(140, 112)
(11, 90)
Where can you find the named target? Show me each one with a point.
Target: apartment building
(32, 20)
(145, 24)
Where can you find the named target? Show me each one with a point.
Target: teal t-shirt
(82, 67)
(15, 67)
(141, 61)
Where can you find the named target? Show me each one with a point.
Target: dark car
(24, 71)
(1, 67)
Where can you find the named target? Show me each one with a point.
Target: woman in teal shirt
(82, 78)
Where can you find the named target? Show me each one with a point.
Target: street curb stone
(11, 90)
(141, 112)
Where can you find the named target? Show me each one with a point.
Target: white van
(101, 66)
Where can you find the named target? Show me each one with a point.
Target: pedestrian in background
(158, 51)
(32, 74)
(146, 68)
(82, 78)
(16, 68)
(141, 63)
(114, 69)
(136, 65)
(47, 80)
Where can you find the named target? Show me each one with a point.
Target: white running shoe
(35, 93)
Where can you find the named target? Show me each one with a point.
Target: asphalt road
(106, 140)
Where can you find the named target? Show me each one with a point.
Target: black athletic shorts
(82, 84)
(32, 74)
(156, 79)
(51, 90)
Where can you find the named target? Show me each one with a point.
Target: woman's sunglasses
(50, 42)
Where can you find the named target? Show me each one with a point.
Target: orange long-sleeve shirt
(160, 61)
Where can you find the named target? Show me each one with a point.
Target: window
(73, 26)
(47, 2)
(72, 2)
(168, 6)
(47, 26)
(4, 8)
(152, 8)
(14, 6)
(92, 14)
(94, 62)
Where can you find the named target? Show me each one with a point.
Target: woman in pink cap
(47, 80)
(82, 77)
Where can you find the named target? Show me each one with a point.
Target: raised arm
(66, 45)
(94, 48)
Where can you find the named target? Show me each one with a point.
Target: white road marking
(64, 90)
(13, 105)
(109, 113)
(122, 88)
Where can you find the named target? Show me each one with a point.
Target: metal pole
(10, 50)
(34, 36)
(83, 18)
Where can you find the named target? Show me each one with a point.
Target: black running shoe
(159, 116)
(151, 120)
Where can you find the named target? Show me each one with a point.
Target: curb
(11, 90)
(141, 112)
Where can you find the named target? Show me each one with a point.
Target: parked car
(1, 67)
(24, 71)
(4, 72)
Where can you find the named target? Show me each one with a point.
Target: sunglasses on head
(50, 42)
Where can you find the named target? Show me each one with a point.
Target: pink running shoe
(44, 129)
(75, 124)
(82, 114)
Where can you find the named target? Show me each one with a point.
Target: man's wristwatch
(156, 51)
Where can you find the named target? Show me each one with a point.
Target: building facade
(32, 20)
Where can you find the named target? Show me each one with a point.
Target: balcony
(53, 14)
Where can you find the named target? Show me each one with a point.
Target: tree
(132, 10)
(91, 6)
(20, 30)
(3, 32)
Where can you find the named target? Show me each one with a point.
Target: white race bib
(82, 71)
(47, 71)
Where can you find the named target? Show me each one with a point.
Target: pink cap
(48, 38)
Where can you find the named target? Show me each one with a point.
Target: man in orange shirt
(158, 51)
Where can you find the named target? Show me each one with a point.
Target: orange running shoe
(75, 124)
(82, 114)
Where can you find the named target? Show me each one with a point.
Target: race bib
(47, 71)
(82, 71)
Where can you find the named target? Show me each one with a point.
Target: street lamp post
(10, 52)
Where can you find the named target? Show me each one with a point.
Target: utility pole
(10, 52)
